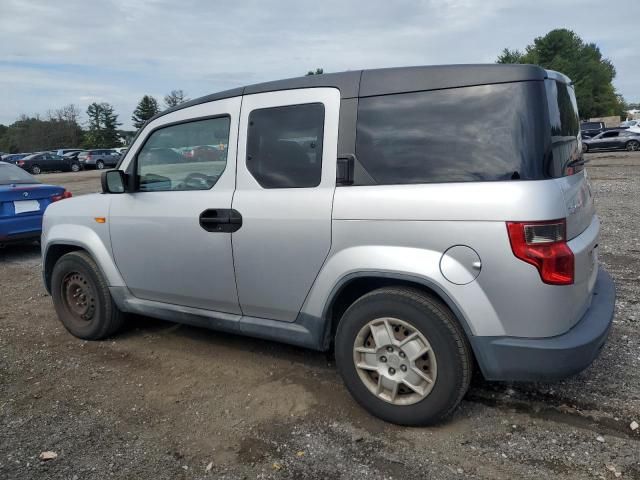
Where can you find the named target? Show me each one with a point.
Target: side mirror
(113, 181)
(345, 169)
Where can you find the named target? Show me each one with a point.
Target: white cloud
(52, 53)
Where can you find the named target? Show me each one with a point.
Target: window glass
(187, 156)
(480, 133)
(10, 174)
(284, 146)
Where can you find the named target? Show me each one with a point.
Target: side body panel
(158, 244)
(406, 229)
(286, 232)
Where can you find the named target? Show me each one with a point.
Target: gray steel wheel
(395, 361)
(75, 167)
(633, 146)
(99, 164)
(35, 170)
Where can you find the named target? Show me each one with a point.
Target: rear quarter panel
(407, 229)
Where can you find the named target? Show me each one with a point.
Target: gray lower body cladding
(499, 358)
(539, 359)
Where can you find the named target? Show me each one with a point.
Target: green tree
(174, 98)
(60, 128)
(592, 74)
(318, 71)
(102, 126)
(147, 108)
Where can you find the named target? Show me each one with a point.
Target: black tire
(447, 339)
(99, 165)
(103, 318)
(633, 146)
(35, 170)
(585, 148)
(75, 167)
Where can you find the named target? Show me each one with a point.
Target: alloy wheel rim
(633, 146)
(79, 297)
(395, 361)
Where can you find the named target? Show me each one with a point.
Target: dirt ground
(165, 401)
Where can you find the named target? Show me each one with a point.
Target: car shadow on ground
(20, 252)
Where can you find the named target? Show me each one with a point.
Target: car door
(170, 239)
(285, 183)
(609, 140)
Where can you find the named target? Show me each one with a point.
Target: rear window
(10, 174)
(481, 133)
(565, 128)
(590, 126)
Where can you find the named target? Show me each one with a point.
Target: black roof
(364, 83)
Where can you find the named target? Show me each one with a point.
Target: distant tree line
(63, 127)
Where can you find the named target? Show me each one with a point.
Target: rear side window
(565, 128)
(284, 146)
(480, 133)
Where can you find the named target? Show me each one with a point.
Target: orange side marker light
(100, 219)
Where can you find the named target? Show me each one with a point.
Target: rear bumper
(16, 229)
(538, 359)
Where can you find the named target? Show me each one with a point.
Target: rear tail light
(63, 195)
(544, 245)
(20, 162)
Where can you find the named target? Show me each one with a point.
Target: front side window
(185, 156)
(284, 146)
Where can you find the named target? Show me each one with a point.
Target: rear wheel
(75, 167)
(99, 164)
(585, 148)
(35, 170)
(82, 299)
(403, 356)
(633, 146)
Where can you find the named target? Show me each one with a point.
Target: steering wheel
(195, 181)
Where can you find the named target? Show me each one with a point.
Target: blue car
(23, 201)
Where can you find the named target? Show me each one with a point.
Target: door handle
(223, 220)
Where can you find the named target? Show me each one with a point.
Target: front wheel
(82, 299)
(99, 164)
(633, 146)
(403, 356)
(585, 148)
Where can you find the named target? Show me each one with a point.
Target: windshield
(10, 174)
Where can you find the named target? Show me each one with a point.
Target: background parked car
(99, 158)
(23, 201)
(37, 163)
(630, 123)
(14, 157)
(72, 155)
(591, 129)
(63, 151)
(613, 140)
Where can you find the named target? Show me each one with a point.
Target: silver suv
(417, 221)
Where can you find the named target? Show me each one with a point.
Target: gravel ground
(176, 402)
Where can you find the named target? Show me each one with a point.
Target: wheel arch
(354, 285)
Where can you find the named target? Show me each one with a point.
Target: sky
(56, 52)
